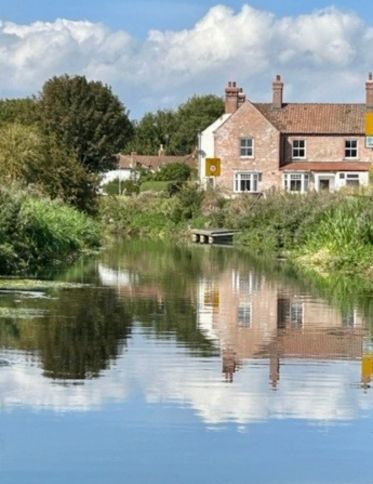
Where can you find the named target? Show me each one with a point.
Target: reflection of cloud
(310, 390)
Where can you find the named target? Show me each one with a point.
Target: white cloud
(250, 46)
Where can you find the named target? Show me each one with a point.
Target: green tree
(176, 130)
(27, 156)
(23, 111)
(87, 118)
(173, 172)
(20, 148)
(153, 130)
(193, 117)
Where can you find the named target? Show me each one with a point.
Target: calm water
(168, 365)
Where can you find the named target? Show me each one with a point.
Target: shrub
(169, 187)
(179, 172)
(36, 233)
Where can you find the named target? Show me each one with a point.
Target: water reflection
(195, 327)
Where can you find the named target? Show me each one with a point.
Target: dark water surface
(184, 365)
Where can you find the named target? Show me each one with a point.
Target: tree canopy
(176, 130)
(87, 118)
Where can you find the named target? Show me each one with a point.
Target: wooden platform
(213, 236)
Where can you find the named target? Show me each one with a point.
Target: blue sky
(197, 46)
(139, 16)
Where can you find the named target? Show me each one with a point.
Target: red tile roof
(327, 166)
(154, 162)
(315, 118)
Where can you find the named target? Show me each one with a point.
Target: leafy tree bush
(23, 111)
(27, 156)
(86, 118)
(37, 232)
(176, 130)
(179, 172)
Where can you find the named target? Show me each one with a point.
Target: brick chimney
(369, 92)
(241, 97)
(278, 92)
(231, 97)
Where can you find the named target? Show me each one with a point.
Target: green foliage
(154, 130)
(176, 130)
(148, 214)
(188, 203)
(192, 118)
(27, 156)
(20, 148)
(179, 172)
(23, 111)
(86, 118)
(158, 186)
(37, 232)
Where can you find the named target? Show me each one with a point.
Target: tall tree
(87, 118)
(193, 117)
(154, 130)
(176, 130)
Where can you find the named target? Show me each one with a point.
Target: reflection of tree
(81, 335)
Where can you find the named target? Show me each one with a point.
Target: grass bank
(327, 234)
(37, 233)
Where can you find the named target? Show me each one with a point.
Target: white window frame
(349, 140)
(293, 148)
(244, 314)
(304, 178)
(247, 147)
(296, 309)
(352, 176)
(254, 177)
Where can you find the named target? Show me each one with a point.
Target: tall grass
(36, 232)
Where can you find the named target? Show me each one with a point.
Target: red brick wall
(327, 148)
(247, 122)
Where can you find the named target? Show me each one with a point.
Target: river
(161, 364)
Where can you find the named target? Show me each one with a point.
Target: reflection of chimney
(278, 91)
(229, 364)
(161, 150)
(369, 92)
(231, 97)
(274, 369)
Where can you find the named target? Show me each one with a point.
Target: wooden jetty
(213, 236)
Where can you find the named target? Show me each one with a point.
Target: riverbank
(37, 233)
(324, 234)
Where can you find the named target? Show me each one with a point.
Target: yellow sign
(367, 367)
(369, 124)
(213, 167)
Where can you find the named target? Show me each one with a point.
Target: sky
(157, 54)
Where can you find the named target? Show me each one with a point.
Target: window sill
(247, 157)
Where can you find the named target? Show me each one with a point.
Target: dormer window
(247, 148)
(351, 148)
(299, 149)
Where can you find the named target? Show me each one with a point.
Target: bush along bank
(37, 233)
(322, 232)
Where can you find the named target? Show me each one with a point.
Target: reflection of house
(255, 318)
(294, 146)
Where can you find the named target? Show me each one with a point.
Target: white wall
(206, 148)
(122, 174)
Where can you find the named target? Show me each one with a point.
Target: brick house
(293, 146)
